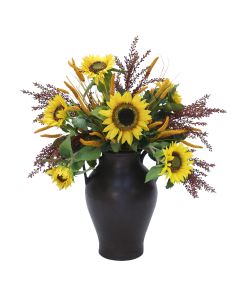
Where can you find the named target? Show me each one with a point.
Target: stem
(88, 89)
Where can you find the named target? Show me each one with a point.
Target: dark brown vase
(120, 204)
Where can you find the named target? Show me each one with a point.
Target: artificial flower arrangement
(112, 106)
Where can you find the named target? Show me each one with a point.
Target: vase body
(120, 204)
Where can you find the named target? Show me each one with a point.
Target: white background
(48, 246)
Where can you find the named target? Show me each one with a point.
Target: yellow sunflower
(55, 113)
(164, 87)
(96, 66)
(177, 162)
(62, 176)
(127, 117)
(177, 98)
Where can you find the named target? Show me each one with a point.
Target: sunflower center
(125, 116)
(61, 178)
(58, 108)
(97, 66)
(176, 162)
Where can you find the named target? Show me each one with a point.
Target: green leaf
(77, 165)
(96, 114)
(65, 147)
(153, 173)
(161, 145)
(115, 146)
(117, 70)
(173, 90)
(143, 142)
(58, 141)
(101, 87)
(169, 184)
(177, 106)
(87, 153)
(92, 163)
(91, 84)
(134, 146)
(79, 122)
(158, 154)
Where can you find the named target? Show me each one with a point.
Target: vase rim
(121, 153)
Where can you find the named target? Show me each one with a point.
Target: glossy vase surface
(120, 204)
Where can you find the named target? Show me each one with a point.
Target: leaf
(173, 90)
(158, 154)
(169, 184)
(153, 173)
(134, 146)
(143, 142)
(101, 87)
(91, 84)
(177, 106)
(115, 146)
(65, 147)
(161, 145)
(96, 114)
(79, 122)
(118, 70)
(87, 153)
(58, 141)
(92, 163)
(77, 165)
(107, 80)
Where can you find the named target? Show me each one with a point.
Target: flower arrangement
(115, 106)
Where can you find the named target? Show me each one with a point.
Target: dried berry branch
(189, 117)
(134, 79)
(46, 159)
(195, 181)
(199, 109)
(42, 97)
(203, 164)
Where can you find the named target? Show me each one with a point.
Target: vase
(120, 204)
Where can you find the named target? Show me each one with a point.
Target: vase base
(121, 256)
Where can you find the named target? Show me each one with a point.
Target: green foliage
(91, 84)
(96, 114)
(107, 81)
(65, 147)
(92, 163)
(134, 146)
(143, 142)
(160, 144)
(158, 154)
(76, 166)
(58, 141)
(87, 153)
(115, 146)
(169, 184)
(175, 107)
(80, 123)
(101, 87)
(153, 173)
(117, 70)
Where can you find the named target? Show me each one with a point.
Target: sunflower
(177, 98)
(164, 87)
(55, 113)
(96, 66)
(177, 162)
(62, 176)
(127, 116)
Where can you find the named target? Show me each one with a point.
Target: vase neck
(120, 159)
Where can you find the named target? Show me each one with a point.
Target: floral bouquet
(112, 106)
